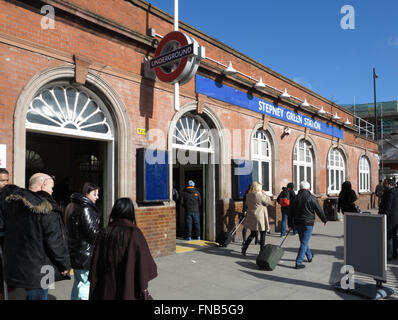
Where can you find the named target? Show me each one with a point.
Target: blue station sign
(239, 98)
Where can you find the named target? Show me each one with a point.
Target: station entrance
(194, 159)
(72, 162)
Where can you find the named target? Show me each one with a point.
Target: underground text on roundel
(200, 309)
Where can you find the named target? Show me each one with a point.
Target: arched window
(261, 156)
(192, 134)
(336, 171)
(364, 175)
(67, 110)
(303, 161)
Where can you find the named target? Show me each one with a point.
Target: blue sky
(304, 41)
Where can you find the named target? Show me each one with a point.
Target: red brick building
(74, 102)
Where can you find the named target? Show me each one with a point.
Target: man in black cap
(389, 207)
(191, 201)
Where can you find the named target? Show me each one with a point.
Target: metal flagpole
(176, 85)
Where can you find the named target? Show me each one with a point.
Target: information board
(365, 244)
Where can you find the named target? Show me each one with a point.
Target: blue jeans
(36, 294)
(304, 233)
(193, 218)
(81, 285)
(285, 213)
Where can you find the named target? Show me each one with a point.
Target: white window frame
(64, 113)
(306, 162)
(262, 153)
(336, 171)
(364, 174)
(194, 133)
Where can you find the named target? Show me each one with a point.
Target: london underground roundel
(176, 58)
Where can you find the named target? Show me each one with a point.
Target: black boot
(244, 249)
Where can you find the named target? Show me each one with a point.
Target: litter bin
(330, 208)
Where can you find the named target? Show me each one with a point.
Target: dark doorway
(181, 175)
(71, 161)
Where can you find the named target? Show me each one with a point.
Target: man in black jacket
(302, 217)
(191, 200)
(389, 207)
(35, 249)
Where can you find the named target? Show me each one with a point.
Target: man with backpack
(284, 199)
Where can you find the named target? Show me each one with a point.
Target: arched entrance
(195, 143)
(79, 133)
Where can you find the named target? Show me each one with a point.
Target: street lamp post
(375, 76)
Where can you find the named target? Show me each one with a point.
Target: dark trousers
(193, 218)
(253, 235)
(244, 231)
(392, 242)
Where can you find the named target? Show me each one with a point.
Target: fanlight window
(191, 134)
(67, 110)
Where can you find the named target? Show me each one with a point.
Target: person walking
(191, 201)
(34, 242)
(82, 222)
(284, 201)
(122, 264)
(292, 195)
(389, 207)
(302, 217)
(379, 192)
(347, 198)
(244, 230)
(257, 215)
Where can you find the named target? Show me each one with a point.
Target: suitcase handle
(237, 226)
(284, 239)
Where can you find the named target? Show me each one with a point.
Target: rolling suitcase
(270, 256)
(225, 238)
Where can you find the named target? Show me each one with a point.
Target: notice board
(365, 244)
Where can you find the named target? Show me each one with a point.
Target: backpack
(284, 200)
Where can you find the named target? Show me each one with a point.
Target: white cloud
(393, 42)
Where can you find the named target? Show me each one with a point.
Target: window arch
(262, 160)
(303, 164)
(364, 174)
(336, 171)
(68, 110)
(191, 133)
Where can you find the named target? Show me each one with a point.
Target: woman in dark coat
(82, 222)
(347, 198)
(122, 264)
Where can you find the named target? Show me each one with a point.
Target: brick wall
(26, 50)
(159, 227)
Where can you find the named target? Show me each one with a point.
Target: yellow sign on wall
(141, 131)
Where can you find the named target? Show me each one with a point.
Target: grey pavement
(213, 273)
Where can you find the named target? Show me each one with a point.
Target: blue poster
(239, 98)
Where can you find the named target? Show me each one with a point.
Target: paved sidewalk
(213, 273)
(223, 273)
